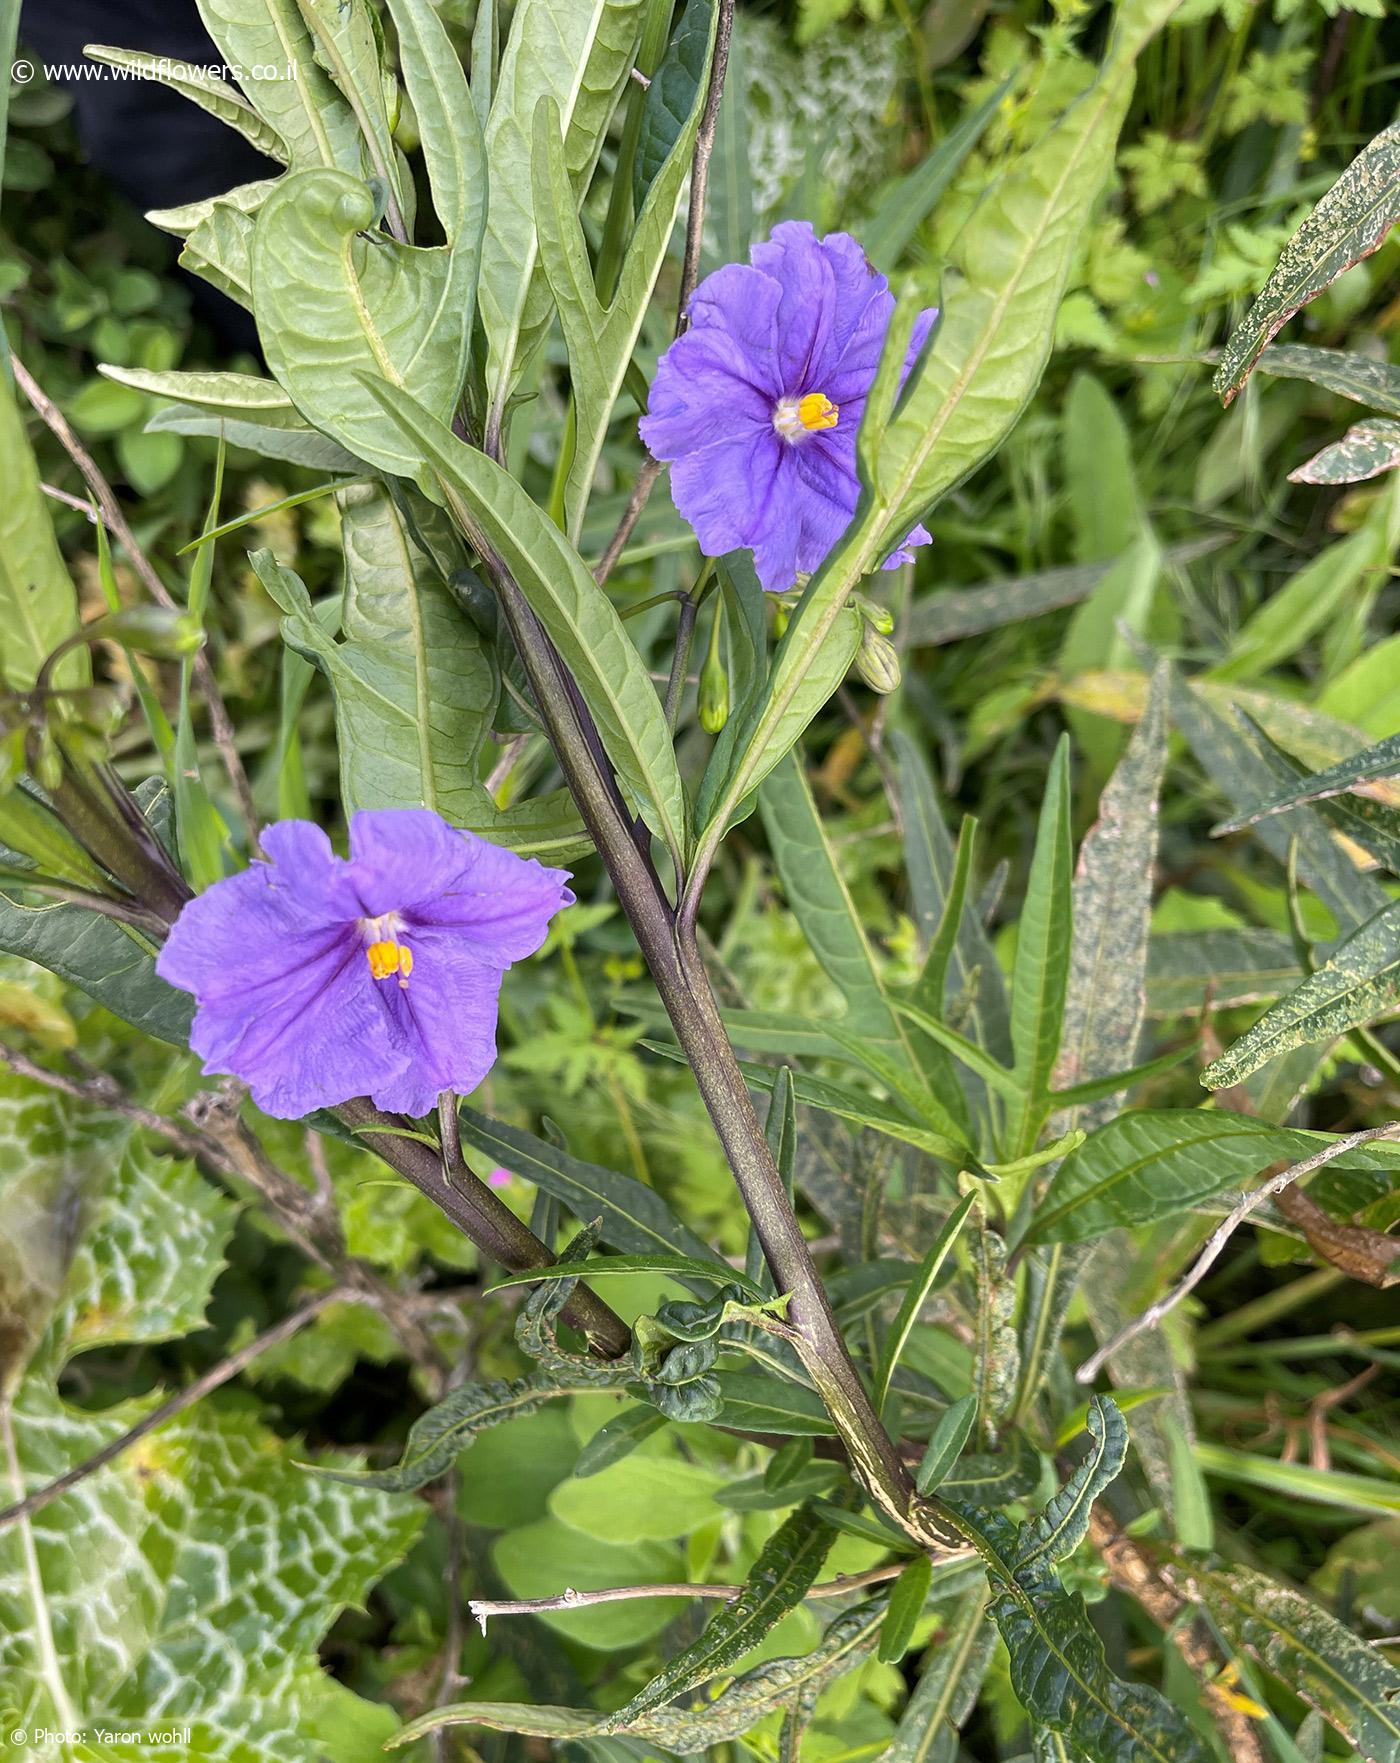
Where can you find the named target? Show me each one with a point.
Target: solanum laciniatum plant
(651, 1104)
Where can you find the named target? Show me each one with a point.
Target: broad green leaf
(38, 603)
(635, 1217)
(654, 1498)
(1365, 451)
(1380, 761)
(907, 1598)
(1101, 484)
(1359, 377)
(336, 300)
(903, 209)
(916, 1293)
(218, 235)
(671, 106)
(269, 41)
(1358, 984)
(601, 340)
(236, 396)
(781, 1577)
(817, 893)
(1157, 1163)
(218, 96)
(948, 1686)
(437, 1438)
(297, 443)
(1040, 976)
(1350, 222)
(578, 616)
(1351, 1684)
(346, 36)
(415, 685)
(579, 53)
(1237, 966)
(453, 152)
(758, 1403)
(198, 1572)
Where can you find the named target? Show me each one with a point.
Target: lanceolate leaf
(907, 1598)
(283, 81)
(38, 603)
(1380, 761)
(1063, 1525)
(634, 1217)
(1359, 377)
(1360, 983)
(673, 95)
(1154, 1164)
(437, 1439)
(579, 53)
(948, 1685)
(578, 616)
(1366, 450)
(1040, 978)
(218, 96)
(1352, 1684)
(1350, 222)
(786, 1567)
(915, 1295)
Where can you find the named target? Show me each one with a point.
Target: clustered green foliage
(1128, 824)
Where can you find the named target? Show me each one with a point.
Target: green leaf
(1359, 377)
(1063, 1525)
(756, 1403)
(1365, 451)
(575, 612)
(1059, 1672)
(907, 1599)
(211, 93)
(201, 833)
(1352, 1684)
(1358, 984)
(847, 1643)
(1350, 222)
(671, 107)
(38, 603)
(1192, 1517)
(817, 892)
(437, 1438)
(729, 211)
(1040, 976)
(946, 1693)
(1307, 604)
(270, 43)
(1238, 966)
(682, 1267)
(915, 1296)
(336, 300)
(1154, 1164)
(226, 1563)
(1373, 825)
(601, 341)
(903, 209)
(635, 1217)
(578, 53)
(346, 36)
(946, 1444)
(781, 1577)
(1380, 761)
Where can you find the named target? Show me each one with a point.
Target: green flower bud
(714, 694)
(877, 660)
(164, 633)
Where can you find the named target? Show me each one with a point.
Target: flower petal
(445, 1018)
(794, 258)
(729, 492)
(905, 554)
(499, 907)
(701, 394)
(400, 856)
(310, 1038)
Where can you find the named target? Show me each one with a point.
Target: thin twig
(1215, 1246)
(220, 725)
(651, 470)
(685, 633)
(212, 1379)
(483, 1609)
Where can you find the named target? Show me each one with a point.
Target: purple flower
(319, 979)
(758, 404)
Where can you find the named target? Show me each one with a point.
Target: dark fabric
(156, 147)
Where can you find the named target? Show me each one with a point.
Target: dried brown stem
(212, 1379)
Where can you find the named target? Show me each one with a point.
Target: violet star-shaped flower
(319, 979)
(757, 405)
